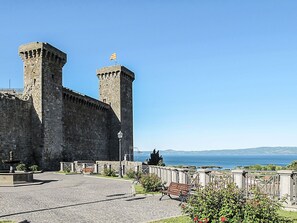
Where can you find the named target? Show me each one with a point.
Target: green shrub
(21, 167)
(34, 168)
(109, 172)
(261, 208)
(228, 204)
(151, 182)
(130, 173)
(133, 174)
(292, 165)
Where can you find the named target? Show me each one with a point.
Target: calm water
(225, 161)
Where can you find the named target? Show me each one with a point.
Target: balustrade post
(286, 184)
(62, 166)
(239, 177)
(96, 168)
(175, 177)
(168, 176)
(159, 172)
(72, 167)
(203, 176)
(182, 175)
(151, 169)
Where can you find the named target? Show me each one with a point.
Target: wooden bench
(88, 170)
(177, 189)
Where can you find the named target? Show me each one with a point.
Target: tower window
(53, 77)
(34, 82)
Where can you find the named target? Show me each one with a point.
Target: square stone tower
(43, 65)
(115, 89)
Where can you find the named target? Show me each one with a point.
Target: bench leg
(163, 194)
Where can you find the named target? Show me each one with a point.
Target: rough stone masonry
(47, 123)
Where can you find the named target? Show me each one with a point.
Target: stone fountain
(11, 162)
(14, 179)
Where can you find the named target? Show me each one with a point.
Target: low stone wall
(10, 179)
(126, 166)
(99, 166)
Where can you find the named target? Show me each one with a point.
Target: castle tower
(115, 89)
(43, 82)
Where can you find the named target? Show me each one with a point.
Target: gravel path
(77, 198)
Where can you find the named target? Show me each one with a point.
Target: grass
(111, 177)
(179, 219)
(66, 173)
(140, 190)
(185, 219)
(289, 214)
(6, 221)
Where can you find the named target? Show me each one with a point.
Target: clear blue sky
(209, 74)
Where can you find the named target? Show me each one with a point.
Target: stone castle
(47, 123)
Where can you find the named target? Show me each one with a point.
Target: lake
(225, 161)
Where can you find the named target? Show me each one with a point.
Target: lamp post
(120, 136)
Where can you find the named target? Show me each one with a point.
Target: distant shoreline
(247, 151)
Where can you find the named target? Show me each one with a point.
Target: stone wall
(86, 127)
(15, 128)
(47, 123)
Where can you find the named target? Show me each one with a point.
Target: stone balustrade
(99, 166)
(283, 183)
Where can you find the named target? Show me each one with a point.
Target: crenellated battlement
(114, 71)
(84, 100)
(42, 50)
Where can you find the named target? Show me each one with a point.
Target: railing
(221, 178)
(171, 174)
(195, 181)
(268, 182)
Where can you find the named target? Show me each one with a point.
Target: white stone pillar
(203, 176)
(159, 172)
(174, 175)
(151, 169)
(62, 166)
(96, 168)
(182, 178)
(168, 176)
(239, 178)
(286, 184)
(72, 166)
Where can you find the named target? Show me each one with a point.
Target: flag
(113, 56)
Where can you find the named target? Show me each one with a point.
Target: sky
(209, 74)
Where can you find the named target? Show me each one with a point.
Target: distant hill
(248, 151)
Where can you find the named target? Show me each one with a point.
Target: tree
(155, 159)
(293, 165)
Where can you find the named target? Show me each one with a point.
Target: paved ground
(77, 198)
